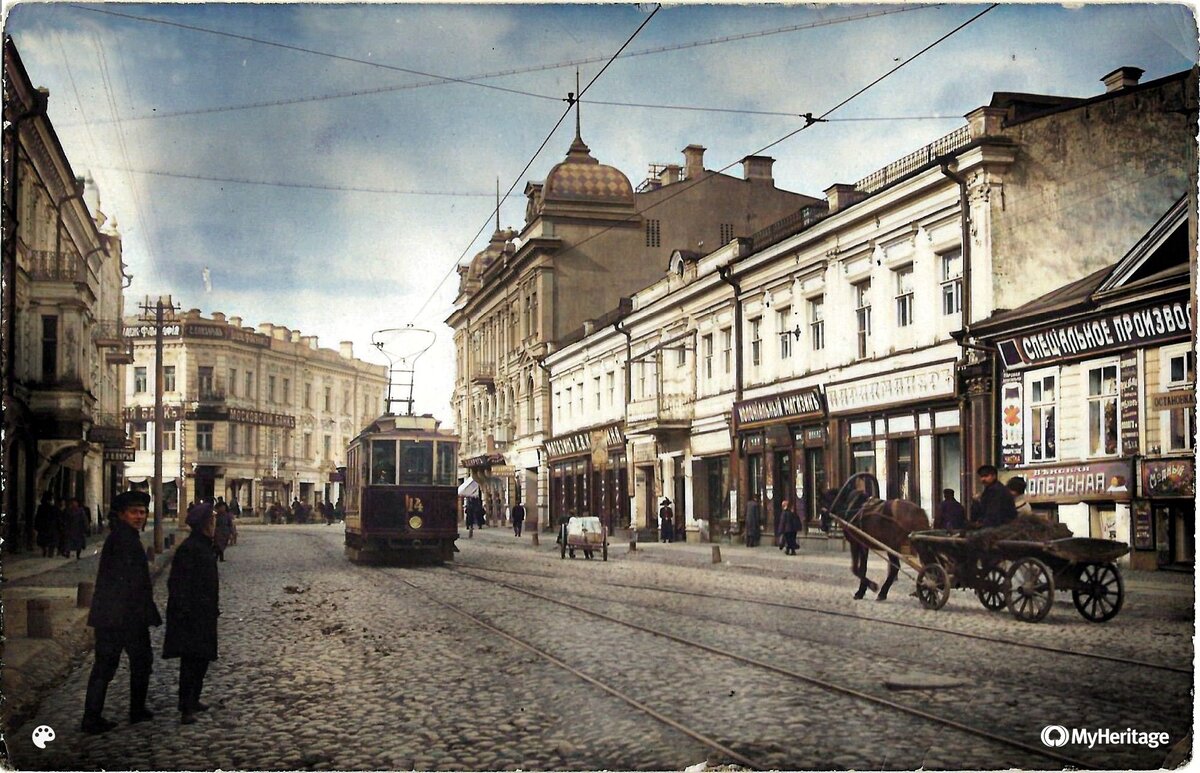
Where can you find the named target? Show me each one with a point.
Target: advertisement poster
(1130, 405)
(1012, 413)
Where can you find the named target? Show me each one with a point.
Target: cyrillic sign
(1109, 480)
(804, 402)
(905, 386)
(247, 416)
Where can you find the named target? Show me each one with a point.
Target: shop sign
(570, 445)
(803, 402)
(119, 454)
(1169, 478)
(1130, 404)
(1012, 420)
(485, 460)
(808, 435)
(752, 443)
(1133, 328)
(337, 477)
(1169, 401)
(148, 331)
(906, 386)
(146, 413)
(1143, 530)
(247, 416)
(1077, 482)
(614, 436)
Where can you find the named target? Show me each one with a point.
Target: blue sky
(341, 263)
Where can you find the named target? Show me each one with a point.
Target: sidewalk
(32, 666)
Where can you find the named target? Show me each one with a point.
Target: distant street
(330, 666)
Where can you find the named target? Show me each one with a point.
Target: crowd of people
(303, 512)
(62, 526)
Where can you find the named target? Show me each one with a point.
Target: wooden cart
(584, 533)
(1021, 575)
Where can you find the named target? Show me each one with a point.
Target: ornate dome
(580, 177)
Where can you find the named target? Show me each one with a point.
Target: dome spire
(578, 147)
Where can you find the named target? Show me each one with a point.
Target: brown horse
(889, 522)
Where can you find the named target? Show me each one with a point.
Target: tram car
(401, 497)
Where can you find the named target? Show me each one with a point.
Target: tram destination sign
(1127, 328)
(803, 402)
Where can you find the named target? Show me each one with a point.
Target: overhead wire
(572, 103)
(503, 73)
(810, 121)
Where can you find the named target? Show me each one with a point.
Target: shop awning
(468, 488)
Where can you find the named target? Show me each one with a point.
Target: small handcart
(584, 533)
(1021, 574)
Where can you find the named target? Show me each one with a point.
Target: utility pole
(160, 309)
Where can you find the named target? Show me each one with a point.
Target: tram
(401, 494)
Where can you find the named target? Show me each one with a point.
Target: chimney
(346, 349)
(264, 328)
(218, 316)
(1122, 78)
(757, 168)
(293, 335)
(235, 321)
(671, 173)
(693, 161)
(842, 195)
(279, 332)
(589, 327)
(985, 121)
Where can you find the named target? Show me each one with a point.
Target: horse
(887, 521)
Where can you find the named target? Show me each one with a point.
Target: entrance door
(814, 480)
(651, 503)
(783, 484)
(902, 483)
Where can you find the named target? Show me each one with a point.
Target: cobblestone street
(327, 665)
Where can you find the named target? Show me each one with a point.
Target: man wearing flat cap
(193, 605)
(122, 612)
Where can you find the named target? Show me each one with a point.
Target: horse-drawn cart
(584, 533)
(1021, 575)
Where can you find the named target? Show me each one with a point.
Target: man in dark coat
(950, 512)
(45, 522)
(791, 524)
(193, 604)
(666, 521)
(753, 522)
(518, 518)
(76, 528)
(122, 612)
(994, 506)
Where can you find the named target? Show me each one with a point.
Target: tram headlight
(415, 522)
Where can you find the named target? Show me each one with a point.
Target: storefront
(589, 476)
(903, 427)
(495, 479)
(1164, 534)
(781, 444)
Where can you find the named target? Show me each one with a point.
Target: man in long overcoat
(76, 527)
(753, 522)
(224, 533)
(193, 604)
(45, 522)
(122, 612)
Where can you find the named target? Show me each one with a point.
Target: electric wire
(571, 103)
(91, 140)
(499, 73)
(810, 121)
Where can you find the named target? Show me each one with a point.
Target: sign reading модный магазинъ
(789, 405)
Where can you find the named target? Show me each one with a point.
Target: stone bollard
(533, 538)
(633, 546)
(83, 594)
(716, 554)
(37, 619)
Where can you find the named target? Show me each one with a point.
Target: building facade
(589, 237)
(64, 350)
(257, 415)
(840, 339)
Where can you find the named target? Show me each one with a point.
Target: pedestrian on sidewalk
(780, 540)
(666, 521)
(76, 527)
(950, 514)
(122, 612)
(224, 529)
(791, 525)
(193, 605)
(44, 521)
(518, 518)
(753, 522)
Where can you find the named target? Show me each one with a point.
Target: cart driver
(994, 506)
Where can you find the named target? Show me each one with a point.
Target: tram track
(864, 618)
(755, 663)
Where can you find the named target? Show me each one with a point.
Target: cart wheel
(1030, 592)
(993, 588)
(1099, 592)
(933, 586)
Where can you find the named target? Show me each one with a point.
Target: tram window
(416, 461)
(447, 465)
(383, 463)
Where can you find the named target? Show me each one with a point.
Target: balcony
(484, 376)
(661, 413)
(210, 457)
(110, 336)
(50, 266)
(208, 392)
(107, 429)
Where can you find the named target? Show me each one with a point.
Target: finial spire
(578, 136)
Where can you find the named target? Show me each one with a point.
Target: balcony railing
(667, 410)
(913, 161)
(208, 392)
(111, 337)
(210, 457)
(50, 266)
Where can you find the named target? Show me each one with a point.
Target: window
(904, 297)
(141, 439)
(579, 392)
(204, 436)
(727, 349)
(307, 453)
(612, 389)
(862, 303)
(50, 348)
(416, 462)
(642, 379)
(1181, 422)
(383, 462)
(726, 233)
(1102, 410)
(346, 401)
(558, 406)
(756, 341)
(248, 431)
(286, 395)
(328, 399)
(570, 402)
(708, 356)
(168, 378)
(597, 382)
(652, 233)
(232, 440)
(250, 385)
(233, 382)
(681, 356)
(270, 389)
(785, 336)
(139, 379)
(170, 439)
(308, 395)
(816, 322)
(952, 269)
(862, 457)
(1043, 402)
(205, 380)
(533, 313)
(447, 464)
(328, 442)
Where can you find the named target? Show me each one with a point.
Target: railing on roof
(792, 224)
(913, 161)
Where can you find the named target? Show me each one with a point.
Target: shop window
(756, 341)
(816, 322)
(952, 282)
(900, 479)
(862, 304)
(904, 296)
(139, 380)
(862, 457)
(754, 474)
(204, 436)
(1102, 410)
(1180, 423)
(1043, 404)
(785, 335)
